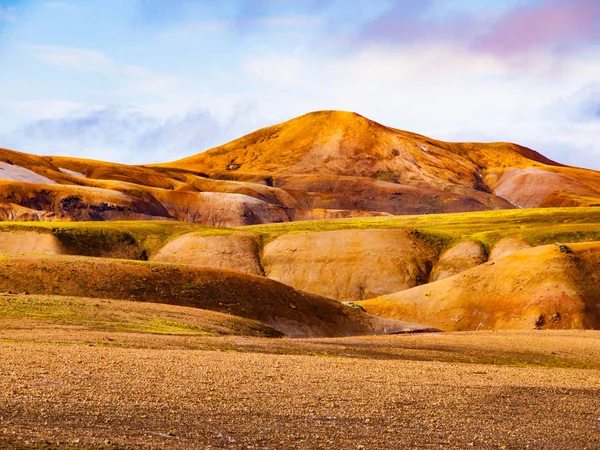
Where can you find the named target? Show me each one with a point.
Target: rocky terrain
(66, 388)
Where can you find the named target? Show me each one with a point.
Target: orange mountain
(321, 165)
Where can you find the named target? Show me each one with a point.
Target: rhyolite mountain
(325, 164)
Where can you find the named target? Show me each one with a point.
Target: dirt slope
(50, 312)
(542, 287)
(384, 195)
(350, 264)
(506, 246)
(529, 187)
(285, 309)
(238, 251)
(457, 259)
(29, 242)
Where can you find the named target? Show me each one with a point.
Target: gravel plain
(62, 387)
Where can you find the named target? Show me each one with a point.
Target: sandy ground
(63, 387)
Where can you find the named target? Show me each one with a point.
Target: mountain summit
(326, 145)
(342, 143)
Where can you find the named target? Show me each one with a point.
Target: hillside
(311, 152)
(342, 259)
(547, 287)
(291, 312)
(47, 312)
(322, 165)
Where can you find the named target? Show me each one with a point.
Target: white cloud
(441, 91)
(142, 81)
(50, 109)
(282, 70)
(131, 79)
(127, 135)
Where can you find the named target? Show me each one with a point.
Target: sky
(143, 81)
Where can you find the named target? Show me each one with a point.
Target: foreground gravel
(57, 395)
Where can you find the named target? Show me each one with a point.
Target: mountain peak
(342, 143)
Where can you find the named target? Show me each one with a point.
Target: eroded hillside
(548, 287)
(289, 275)
(327, 164)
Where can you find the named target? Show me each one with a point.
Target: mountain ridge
(344, 119)
(324, 164)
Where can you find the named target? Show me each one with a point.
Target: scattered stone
(353, 306)
(540, 322)
(563, 248)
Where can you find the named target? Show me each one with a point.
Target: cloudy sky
(141, 81)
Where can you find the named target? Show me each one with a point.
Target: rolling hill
(436, 263)
(323, 165)
(247, 229)
(547, 287)
(280, 307)
(311, 153)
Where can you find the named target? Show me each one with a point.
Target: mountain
(325, 164)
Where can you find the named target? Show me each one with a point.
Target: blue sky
(141, 81)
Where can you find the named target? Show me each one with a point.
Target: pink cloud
(553, 24)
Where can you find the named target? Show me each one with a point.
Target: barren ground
(76, 387)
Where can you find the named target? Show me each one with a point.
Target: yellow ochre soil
(350, 264)
(551, 286)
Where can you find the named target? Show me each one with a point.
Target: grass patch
(536, 226)
(160, 326)
(100, 238)
(95, 315)
(96, 242)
